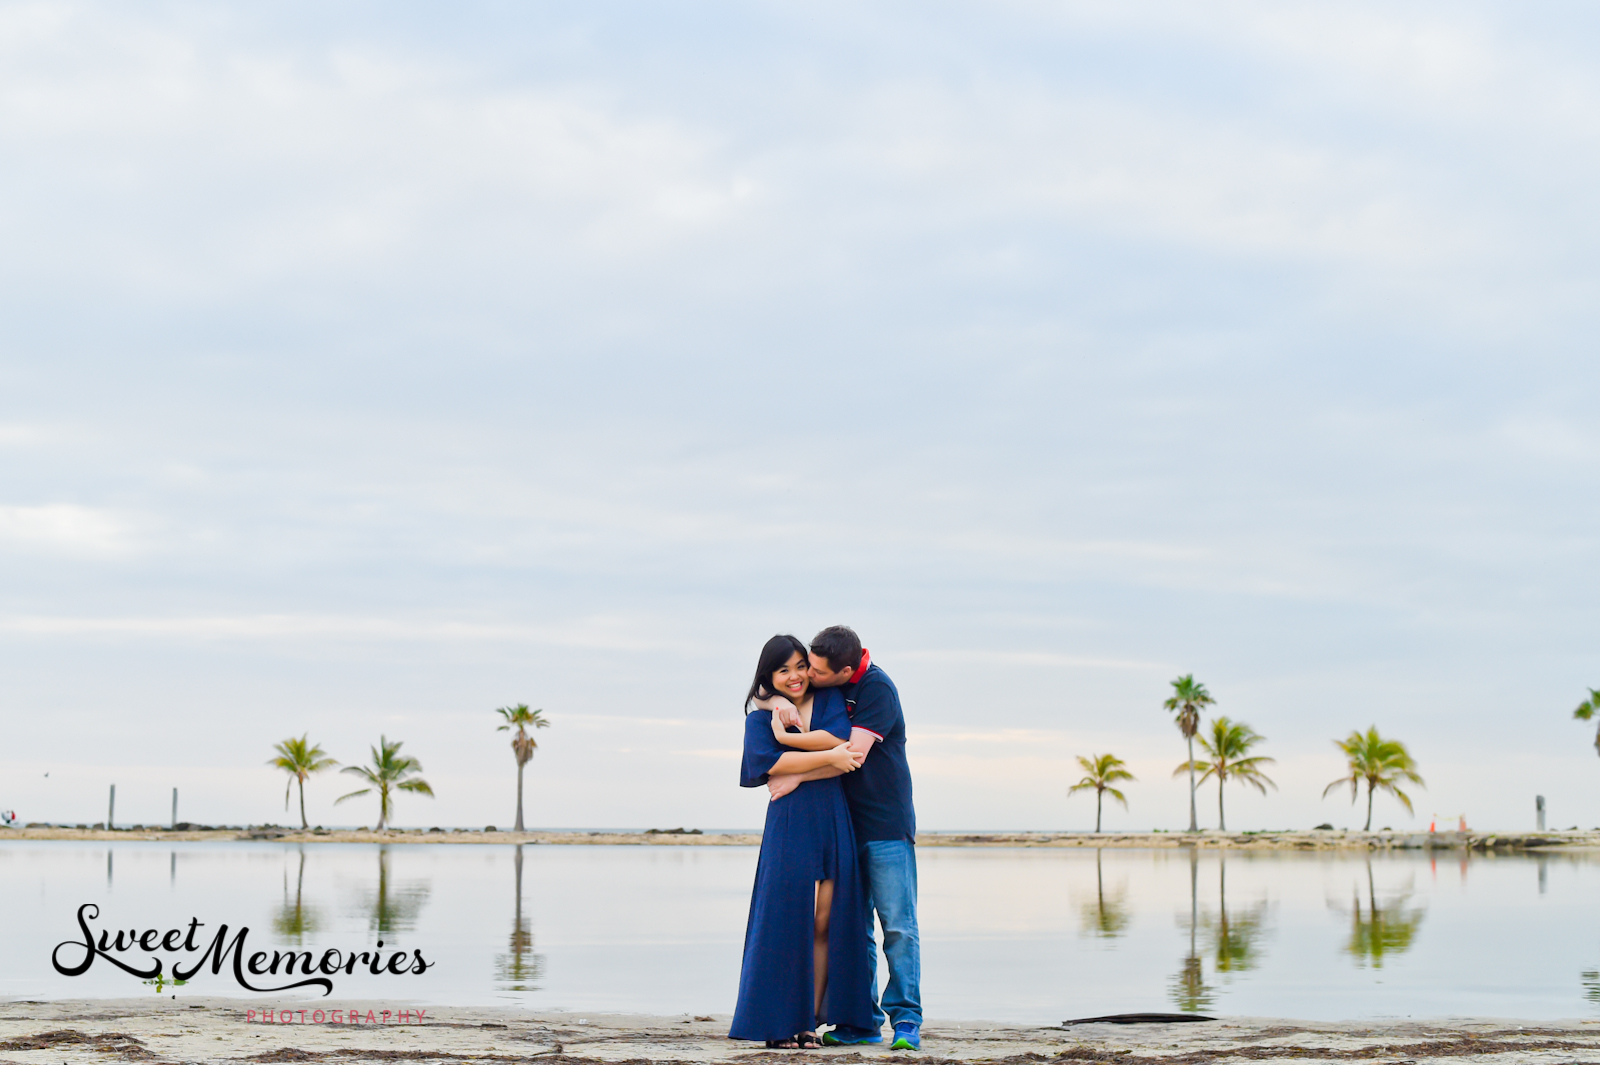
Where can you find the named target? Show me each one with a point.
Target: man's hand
(785, 714)
(780, 786)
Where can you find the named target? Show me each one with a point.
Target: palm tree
(1230, 759)
(1103, 771)
(519, 717)
(1187, 699)
(1383, 764)
(391, 771)
(300, 758)
(1587, 710)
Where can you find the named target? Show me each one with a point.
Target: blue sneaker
(845, 1036)
(907, 1036)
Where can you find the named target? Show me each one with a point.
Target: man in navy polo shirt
(879, 794)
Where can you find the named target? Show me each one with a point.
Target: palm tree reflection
(1234, 936)
(1232, 939)
(1381, 930)
(295, 919)
(394, 905)
(1106, 917)
(520, 967)
(1189, 988)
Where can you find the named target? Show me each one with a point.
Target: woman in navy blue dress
(805, 946)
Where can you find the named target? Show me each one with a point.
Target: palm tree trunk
(303, 823)
(1099, 797)
(1368, 827)
(1194, 819)
(1222, 819)
(519, 795)
(383, 807)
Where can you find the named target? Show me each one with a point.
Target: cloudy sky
(370, 366)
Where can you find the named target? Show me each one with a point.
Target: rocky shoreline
(1312, 840)
(196, 1029)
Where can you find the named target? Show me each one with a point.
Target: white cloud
(613, 634)
(68, 529)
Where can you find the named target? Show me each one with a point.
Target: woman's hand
(784, 736)
(785, 713)
(845, 759)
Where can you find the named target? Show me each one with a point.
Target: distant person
(807, 944)
(885, 823)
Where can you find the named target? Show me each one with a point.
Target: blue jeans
(890, 866)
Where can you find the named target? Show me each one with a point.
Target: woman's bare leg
(820, 943)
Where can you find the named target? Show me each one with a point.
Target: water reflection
(1234, 936)
(519, 968)
(294, 920)
(1004, 929)
(1232, 939)
(1381, 930)
(1107, 916)
(394, 906)
(1189, 988)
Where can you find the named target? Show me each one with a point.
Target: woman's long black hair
(774, 654)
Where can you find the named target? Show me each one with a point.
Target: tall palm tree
(1383, 764)
(1588, 710)
(391, 771)
(1188, 697)
(1230, 759)
(1103, 771)
(519, 717)
(300, 758)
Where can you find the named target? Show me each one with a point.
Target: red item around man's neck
(861, 670)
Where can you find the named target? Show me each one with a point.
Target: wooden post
(111, 809)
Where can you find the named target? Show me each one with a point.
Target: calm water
(1023, 935)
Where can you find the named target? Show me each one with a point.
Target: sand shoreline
(1304, 841)
(202, 1029)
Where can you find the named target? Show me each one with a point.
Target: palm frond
(1405, 800)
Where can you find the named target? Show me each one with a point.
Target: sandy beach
(196, 1029)
(1313, 840)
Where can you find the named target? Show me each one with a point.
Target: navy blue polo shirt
(880, 791)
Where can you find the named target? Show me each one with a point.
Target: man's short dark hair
(840, 645)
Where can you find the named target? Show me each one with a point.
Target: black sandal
(808, 1041)
(783, 1044)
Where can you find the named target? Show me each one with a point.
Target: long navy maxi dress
(808, 837)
